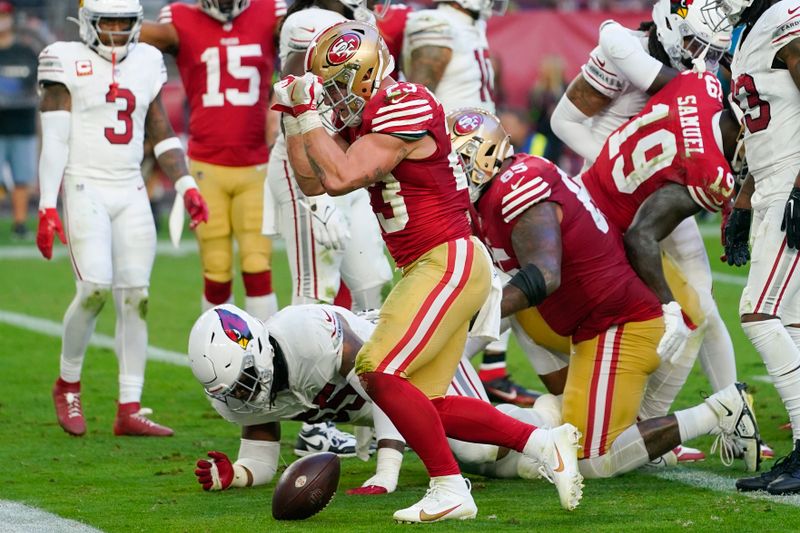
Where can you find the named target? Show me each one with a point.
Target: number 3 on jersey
(215, 96)
(124, 115)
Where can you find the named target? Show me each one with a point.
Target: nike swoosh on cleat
(425, 517)
(507, 396)
(730, 413)
(560, 467)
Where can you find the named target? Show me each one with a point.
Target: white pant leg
(467, 383)
(133, 235)
(686, 247)
(88, 230)
(314, 270)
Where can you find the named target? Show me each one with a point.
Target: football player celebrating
(562, 254)
(299, 365)
(224, 50)
(613, 86)
(766, 87)
(392, 139)
(99, 100)
(446, 50)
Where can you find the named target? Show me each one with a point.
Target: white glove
(675, 333)
(329, 223)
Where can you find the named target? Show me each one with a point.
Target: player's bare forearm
(366, 161)
(162, 36)
(428, 64)
(303, 173)
(157, 129)
(656, 218)
(664, 76)
(271, 431)
(351, 345)
(745, 193)
(514, 300)
(585, 97)
(55, 97)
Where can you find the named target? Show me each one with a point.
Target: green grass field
(129, 484)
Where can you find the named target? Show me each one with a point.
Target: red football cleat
(67, 399)
(369, 490)
(132, 420)
(688, 455)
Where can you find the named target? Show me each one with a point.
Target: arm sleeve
(260, 457)
(280, 8)
(575, 129)
(601, 73)
(427, 28)
(630, 60)
(54, 156)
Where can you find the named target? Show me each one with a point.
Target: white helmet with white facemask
(90, 15)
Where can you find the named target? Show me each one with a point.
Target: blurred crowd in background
(27, 26)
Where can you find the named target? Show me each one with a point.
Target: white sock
(79, 324)
(716, 354)
(695, 421)
(666, 382)
(261, 307)
(794, 333)
(205, 305)
(627, 452)
(453, 482)
(366, 299)
(782, 358)
(131, 341)
(501, 344)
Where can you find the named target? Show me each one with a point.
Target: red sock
(217, 293)
(258, 283)
(474, 420)
(493, 366)
(343, 297)
(415, 418)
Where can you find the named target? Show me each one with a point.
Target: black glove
(737, 235)
(791, 219)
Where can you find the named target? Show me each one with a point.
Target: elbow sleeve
(571, 126)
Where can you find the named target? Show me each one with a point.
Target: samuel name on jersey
(109, 105)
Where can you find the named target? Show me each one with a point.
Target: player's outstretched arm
(536, 239)
(570, 117)
(162, 35)
(256, 464)
(55, 107)
(656, 218)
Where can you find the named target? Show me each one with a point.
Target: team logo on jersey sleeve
(83, 67)
(467, 124)
(343, 48)
(235, 327)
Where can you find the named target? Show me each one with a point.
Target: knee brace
(92, 296)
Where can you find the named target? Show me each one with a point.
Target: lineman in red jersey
(224, 50)
(564, 256)
(393, 140)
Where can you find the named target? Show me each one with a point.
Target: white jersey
(765, 92)
(310, 338)
(297, 32)
(107, 128)
(627, 100)
(468, 79)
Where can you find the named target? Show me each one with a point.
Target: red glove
(196, 207)
(49, 223)
(296, 95)
(369, 490)
(216, 474)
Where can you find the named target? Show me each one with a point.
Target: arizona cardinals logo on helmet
(468, 123)
(343, 48)
(235, 327)
(681, 7)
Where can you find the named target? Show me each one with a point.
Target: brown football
(306, 487)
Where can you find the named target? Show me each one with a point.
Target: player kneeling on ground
(99, 99)
(567, 261)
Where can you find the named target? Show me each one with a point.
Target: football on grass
(306, 487)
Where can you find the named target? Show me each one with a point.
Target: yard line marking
(55, 329)
(707, 480)
(163, 248)
(19, 518)
(730, 279)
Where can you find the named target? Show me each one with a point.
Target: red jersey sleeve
(405, 110)
(529, 182)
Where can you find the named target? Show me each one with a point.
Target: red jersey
(226, 71)
(599, 288)
(672, 140)
(423, 202)
(392, 27)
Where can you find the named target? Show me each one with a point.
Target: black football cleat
(785, 465)
(789, 481)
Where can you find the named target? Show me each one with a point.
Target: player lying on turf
(563, 255)
(299, 365)
(392, 139)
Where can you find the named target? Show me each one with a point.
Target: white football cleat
(448, 498)
(556, 452)
(736, 426)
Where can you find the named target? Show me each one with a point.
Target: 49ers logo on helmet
(468, 123)
(343, 48)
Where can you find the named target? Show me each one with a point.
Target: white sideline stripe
(707, 480)
(55, 329)
(19, 518)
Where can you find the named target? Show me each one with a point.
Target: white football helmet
(486, 8)
(93, 11)
(224, 11)
(690, 30)
(230, 354)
